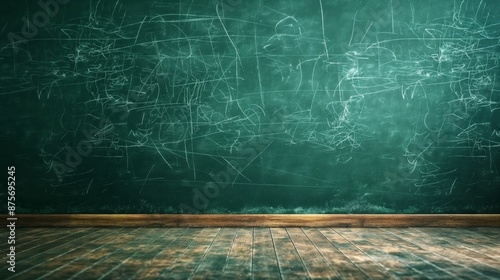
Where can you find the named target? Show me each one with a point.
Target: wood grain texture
(213, 263)
(256, 253)
(239, 260)
(265, 264)
(257, 220)
(461, 265)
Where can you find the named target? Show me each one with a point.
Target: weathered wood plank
(55, 258)
(429, 254)
(265, 263)
(486, 233)
(447, 267)
(212, 265)
(314, 262)
(239, 261)
(138, 255)
(466, 266)
(470, 248)
(155, 261)
(164, 260)
(117, 253)
(32, 239)
(393, 256)
(81, 254)
(186, 264)
(29, 234)
(289, 262)
(374, 249)
(96, 251)
(491, 242)
(336, 259)
(259, 253)
(62, 239)
(363, 261)
(257, 220)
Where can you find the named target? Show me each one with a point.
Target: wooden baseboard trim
(256, 220)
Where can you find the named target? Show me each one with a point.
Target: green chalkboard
(233, 106)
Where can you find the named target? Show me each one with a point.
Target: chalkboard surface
(232, 106)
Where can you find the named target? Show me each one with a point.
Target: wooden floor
(255, 253)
